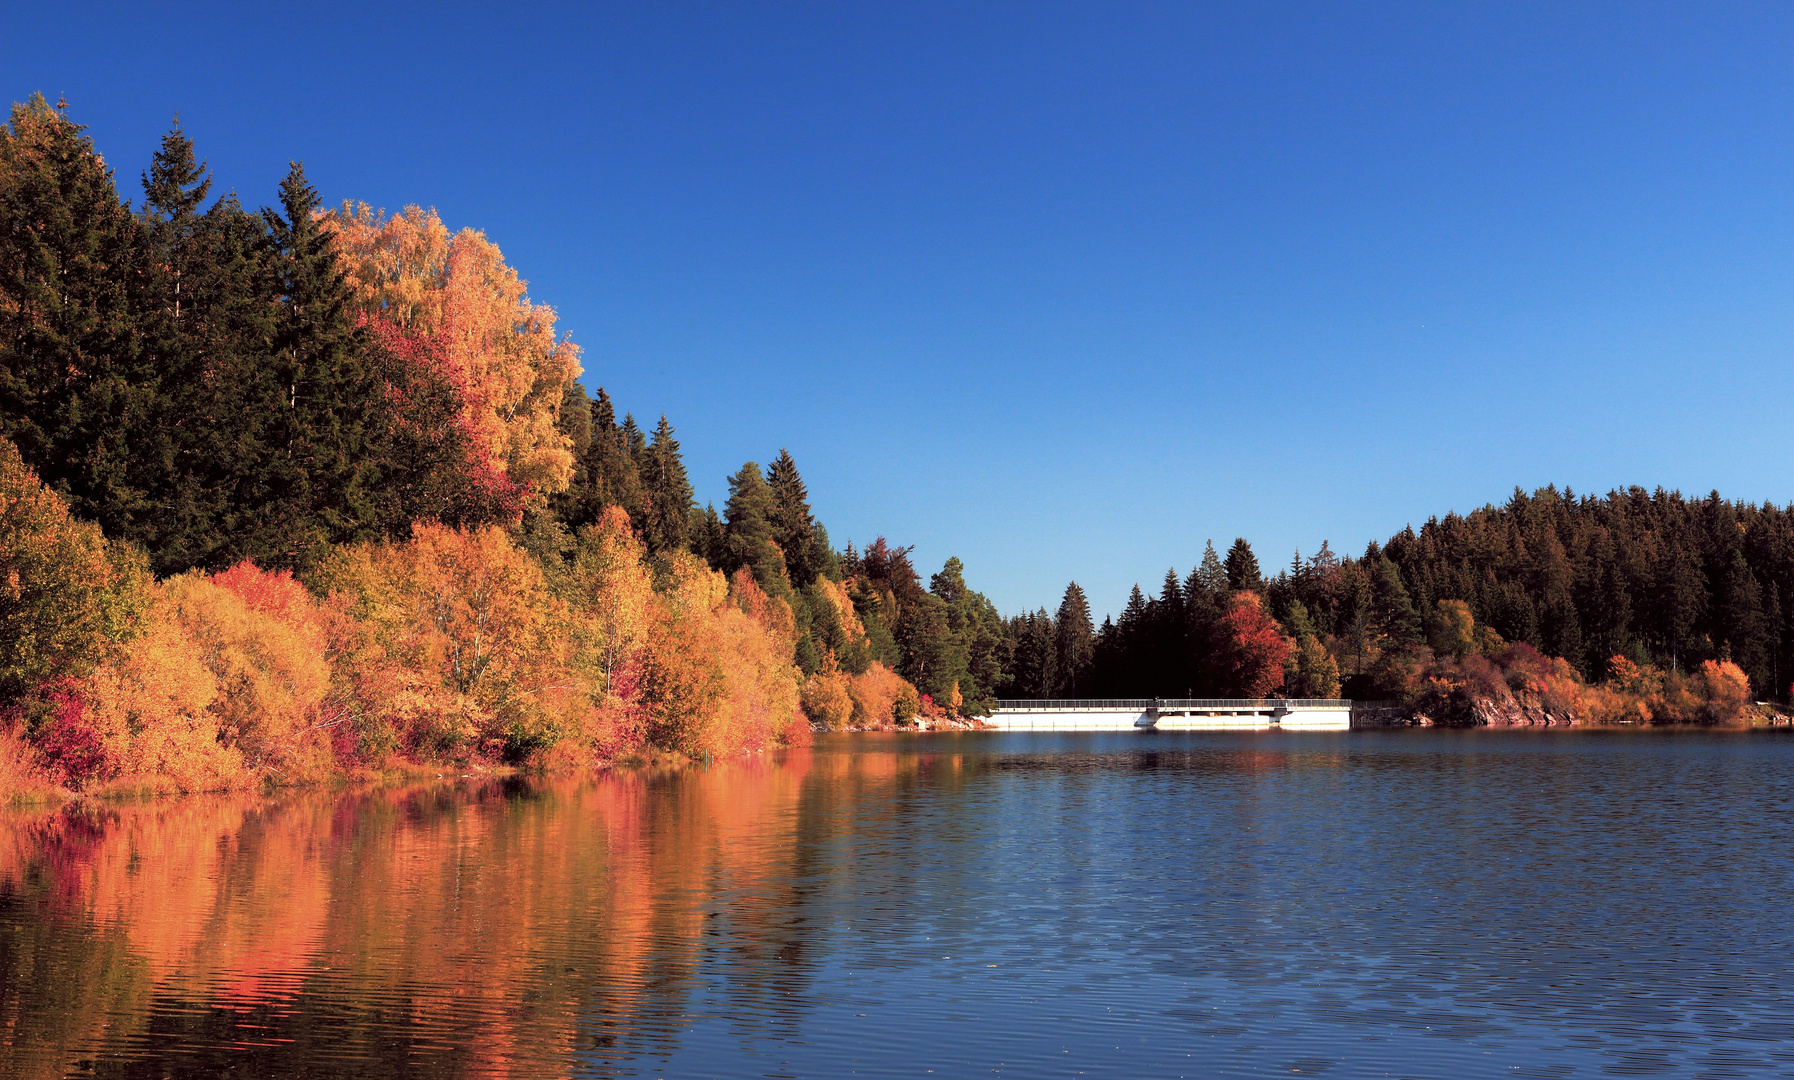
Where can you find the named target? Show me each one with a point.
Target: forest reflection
(476, 927)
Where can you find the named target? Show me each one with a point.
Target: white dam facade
(1172, 714)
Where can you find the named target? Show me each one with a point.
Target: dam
(1171, 714)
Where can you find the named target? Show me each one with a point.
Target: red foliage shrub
(69, 745)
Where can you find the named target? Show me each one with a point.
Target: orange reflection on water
(480, 928)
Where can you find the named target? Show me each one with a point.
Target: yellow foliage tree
(826, 697)
(608, 583)
(152, 704)
(881, 697)
(500, 348)
(470, 606)
(717, 679)
(1452, 629)
(66, 595)
(262, 637)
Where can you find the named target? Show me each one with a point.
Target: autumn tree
(66, 594)
(1249, 650)
(1310, 670)
(1452, 629)
(499, 347)
(607, 582)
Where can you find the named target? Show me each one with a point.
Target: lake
(1400, 903)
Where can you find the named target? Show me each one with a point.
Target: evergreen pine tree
(1210, 574)
(748, 534)
(669, 496)
(950, 583)
(1205, 599)
(1074, 643)
(1746, 625)
(71, 257)
(794, 528)
(1777, 638)
(1167, 652)
(712, 539)
(610, 464)
(580, 503)
(1395, 618)
(1242, 568)
(319, 479)
(1681, 601)
(1036, 663)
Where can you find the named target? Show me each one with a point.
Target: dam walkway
(1171, 714)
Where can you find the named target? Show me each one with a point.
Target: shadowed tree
(1242, 568)
(1074, 643)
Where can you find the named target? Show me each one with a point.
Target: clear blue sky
(1066, 290)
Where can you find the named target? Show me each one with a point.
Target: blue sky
(1065, 290)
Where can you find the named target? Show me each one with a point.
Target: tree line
(205, 407)
(331, 467)
(1634, 588)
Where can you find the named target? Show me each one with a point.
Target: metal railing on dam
(1170, 714)
(1093, 704)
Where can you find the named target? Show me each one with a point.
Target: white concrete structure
(1171, 714)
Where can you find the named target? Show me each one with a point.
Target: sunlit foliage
(498, 347)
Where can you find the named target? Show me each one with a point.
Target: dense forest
(1633, 605)
(308, 490)
(297, 491)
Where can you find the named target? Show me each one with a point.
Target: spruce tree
(209, 315)
(748, 533)
(1074, 642)
(794, 528)
(1777, 637)
(1037, 674)
(1747, 629)
(319, 479)
(1681, 601)
(668, 492)
(579, 504)
(712, 539)
(610, 463)
(175, 188)
(934, 656)
(950, 583)
(1242, 568)
(1210, 574)
(1395, 618)
(72, 376)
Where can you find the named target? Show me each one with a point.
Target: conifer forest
(313, 490)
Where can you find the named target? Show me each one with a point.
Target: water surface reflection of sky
(1135, 904)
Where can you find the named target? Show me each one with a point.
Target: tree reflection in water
(518, 926)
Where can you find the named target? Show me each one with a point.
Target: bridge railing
(1035, 704)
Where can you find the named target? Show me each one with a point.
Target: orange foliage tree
(718, 676)
(471, 607)
(497, 347)
(827, 696)
(262, 637)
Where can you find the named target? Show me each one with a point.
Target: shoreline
(125, 793)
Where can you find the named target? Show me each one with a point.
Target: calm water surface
(1424, 904)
